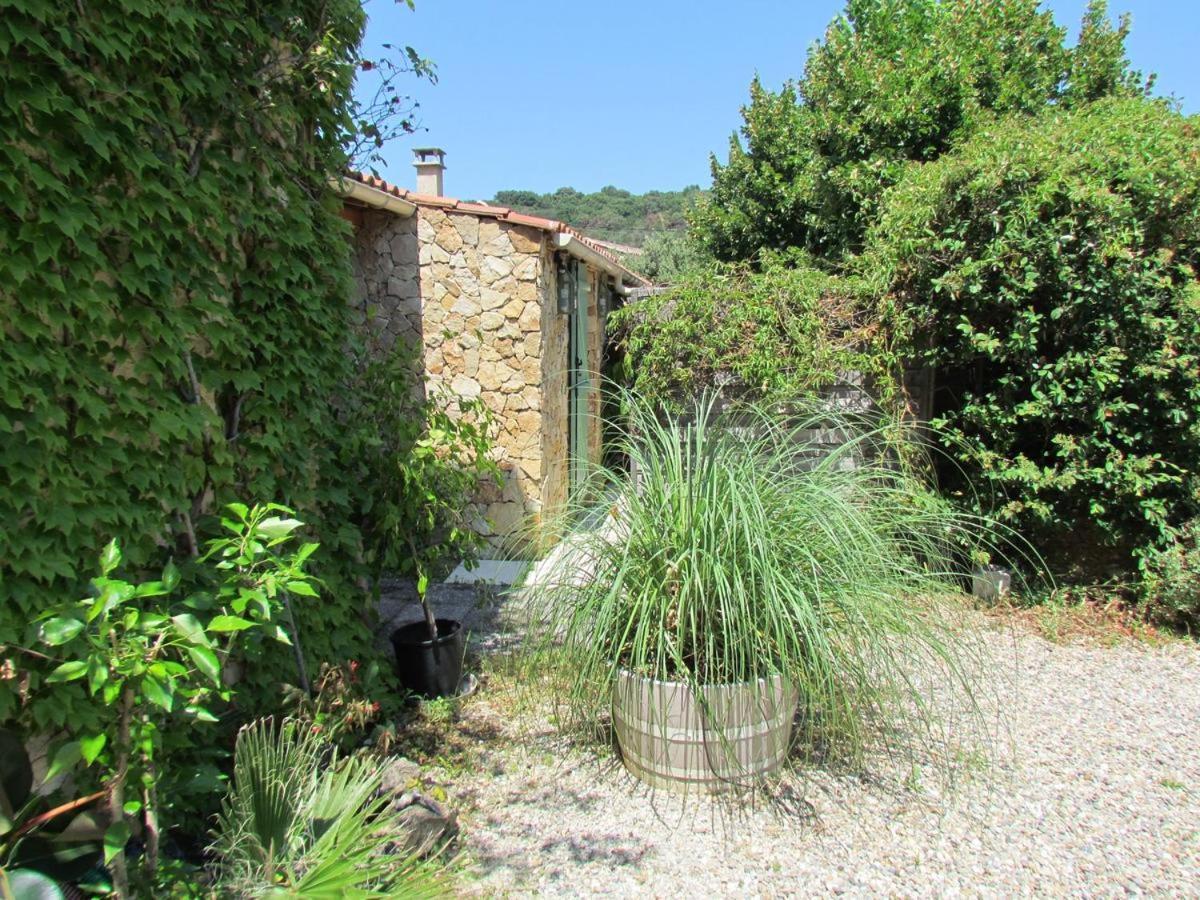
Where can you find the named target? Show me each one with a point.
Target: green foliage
(773, 335)
(893, 81)
(668, 257)
(150, 660)
(341, 707)
(1171, 583)
(423, 459)
(743, 549)
(610, 214)
(173, 284)
(300, 821)
(41, 844)
(1049, 270)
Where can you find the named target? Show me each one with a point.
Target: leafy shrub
(1171, 579)
(1049, 271)
(151, 661)
(341, 707)
(301, 821)
(772, 335)
(423, 460)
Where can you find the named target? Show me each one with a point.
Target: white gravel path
(1096, 792)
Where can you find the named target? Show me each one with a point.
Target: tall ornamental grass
(756, 541)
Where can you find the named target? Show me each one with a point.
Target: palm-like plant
(300, 821)
(740, 551)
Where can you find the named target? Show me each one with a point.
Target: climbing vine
(173, 288)
(774, 334)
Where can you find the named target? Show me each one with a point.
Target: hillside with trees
(610, 214)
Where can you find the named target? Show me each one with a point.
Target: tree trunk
(116, 792)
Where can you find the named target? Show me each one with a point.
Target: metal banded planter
(671, 740)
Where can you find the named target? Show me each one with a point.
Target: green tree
(892, 82)
(611, 213)
(668, 256)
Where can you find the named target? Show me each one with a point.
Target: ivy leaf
(115, 839)
(68, 671)
(65, 759)
(206, 662)
(90, 747)
(59, 630)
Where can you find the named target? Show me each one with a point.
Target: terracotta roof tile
(502, 213)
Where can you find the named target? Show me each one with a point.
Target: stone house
(494, 304)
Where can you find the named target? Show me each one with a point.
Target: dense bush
(1171, 586)
(893, 81)
(776, 334)
(173, 284)
(1049, 269)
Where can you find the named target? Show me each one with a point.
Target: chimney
(430, 163)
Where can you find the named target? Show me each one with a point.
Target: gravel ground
(1093, 790)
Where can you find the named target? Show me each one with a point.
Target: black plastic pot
(431, 668)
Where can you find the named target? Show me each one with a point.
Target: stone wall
(387, 276)
(485, 284)
(473, 301)
(464, 294)
(555, 347)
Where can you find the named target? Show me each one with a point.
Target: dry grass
(1098, 616)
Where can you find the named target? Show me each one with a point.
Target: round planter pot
(431, 668)
(672, 739)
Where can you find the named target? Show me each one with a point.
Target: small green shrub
(150, 662)
(1171, 579)
(423, 460)
(341, 707)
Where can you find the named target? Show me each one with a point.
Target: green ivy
(173, 284)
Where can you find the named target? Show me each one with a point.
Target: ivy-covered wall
(173, 286)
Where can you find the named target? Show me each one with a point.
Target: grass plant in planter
(746, 590)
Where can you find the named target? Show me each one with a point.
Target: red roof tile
(502, 213)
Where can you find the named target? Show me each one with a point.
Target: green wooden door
(579, 382)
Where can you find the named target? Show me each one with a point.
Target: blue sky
(638, 94)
